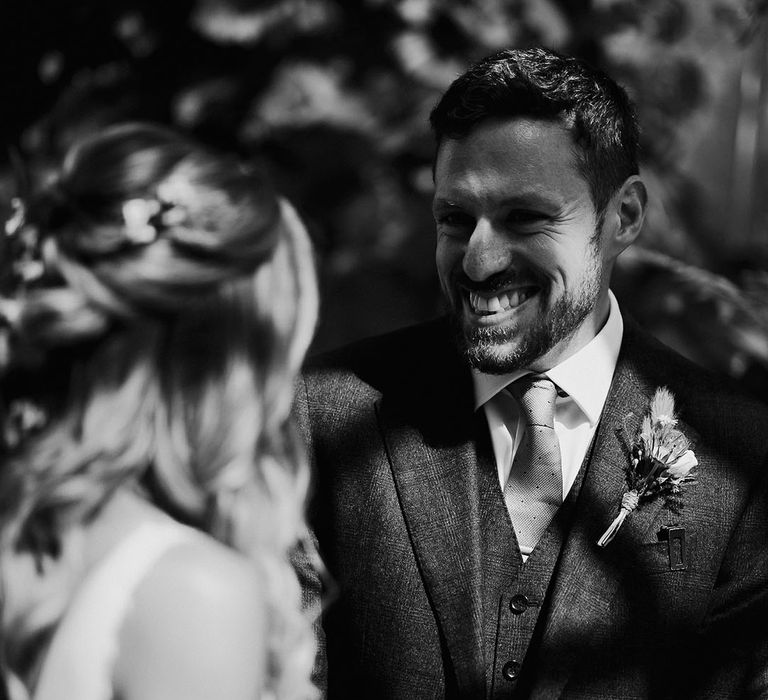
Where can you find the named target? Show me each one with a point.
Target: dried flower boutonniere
(661, 461)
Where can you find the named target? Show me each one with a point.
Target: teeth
(478, 303)
(502, 302)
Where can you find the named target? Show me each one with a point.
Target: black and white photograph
(384, 350)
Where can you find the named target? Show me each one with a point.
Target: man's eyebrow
(531, 197)
(440, 203)
(527, 198)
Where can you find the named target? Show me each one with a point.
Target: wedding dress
(80, 661)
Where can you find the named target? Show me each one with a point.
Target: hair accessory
(18, 216)
(185, 202)
(23, 247)
(173, 190)
(138, 215)
(23, 418)
(10, 311)
(145, 218)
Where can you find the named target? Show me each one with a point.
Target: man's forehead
(506, 136)
(521, 158)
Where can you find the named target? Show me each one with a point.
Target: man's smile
(486, 307)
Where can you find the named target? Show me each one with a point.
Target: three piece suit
(430, 598)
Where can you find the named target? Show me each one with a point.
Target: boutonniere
(661, 461)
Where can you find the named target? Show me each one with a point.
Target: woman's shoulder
(196, 626)
(204, 570)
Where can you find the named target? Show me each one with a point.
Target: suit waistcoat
(515, 593)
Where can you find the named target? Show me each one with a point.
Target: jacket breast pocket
(674, 551)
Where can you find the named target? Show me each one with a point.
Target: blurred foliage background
(333, 97)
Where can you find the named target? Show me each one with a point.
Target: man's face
(520, 259)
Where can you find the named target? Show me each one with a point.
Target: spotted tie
(534, 490)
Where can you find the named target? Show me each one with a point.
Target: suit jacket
(401, 462)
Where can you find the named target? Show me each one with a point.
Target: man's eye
(455, 220)
(522, 217)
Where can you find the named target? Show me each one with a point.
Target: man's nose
(487, 252)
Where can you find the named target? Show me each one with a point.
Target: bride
(159, 299)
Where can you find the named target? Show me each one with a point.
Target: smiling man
(466, 468)
(523, 254)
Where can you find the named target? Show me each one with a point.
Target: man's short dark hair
(542, 84)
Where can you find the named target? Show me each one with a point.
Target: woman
(162, 299)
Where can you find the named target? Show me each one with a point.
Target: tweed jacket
(398, 450)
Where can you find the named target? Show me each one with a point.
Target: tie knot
(536, 394)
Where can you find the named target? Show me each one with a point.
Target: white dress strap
(80, 660)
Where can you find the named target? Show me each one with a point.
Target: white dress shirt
(584, 376)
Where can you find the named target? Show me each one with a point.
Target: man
(466, 469)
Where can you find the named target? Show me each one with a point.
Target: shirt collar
(585, 376)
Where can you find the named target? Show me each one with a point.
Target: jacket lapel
(432, 451)
(586, 578)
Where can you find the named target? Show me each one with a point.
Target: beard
(488, 349)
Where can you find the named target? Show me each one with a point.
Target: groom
(467, 467)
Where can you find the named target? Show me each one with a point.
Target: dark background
(334, 98)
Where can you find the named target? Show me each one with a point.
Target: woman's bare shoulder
(196, 628)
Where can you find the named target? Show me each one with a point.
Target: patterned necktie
(534, 490)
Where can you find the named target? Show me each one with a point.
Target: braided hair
(170, 302)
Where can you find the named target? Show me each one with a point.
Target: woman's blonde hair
(162, 338)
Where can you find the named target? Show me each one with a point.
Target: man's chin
(500, 348)
(494, 359)
(493, 350)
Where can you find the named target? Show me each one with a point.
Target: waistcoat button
(518, 604)
(511, 670)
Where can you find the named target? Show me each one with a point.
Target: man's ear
(630, 203)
